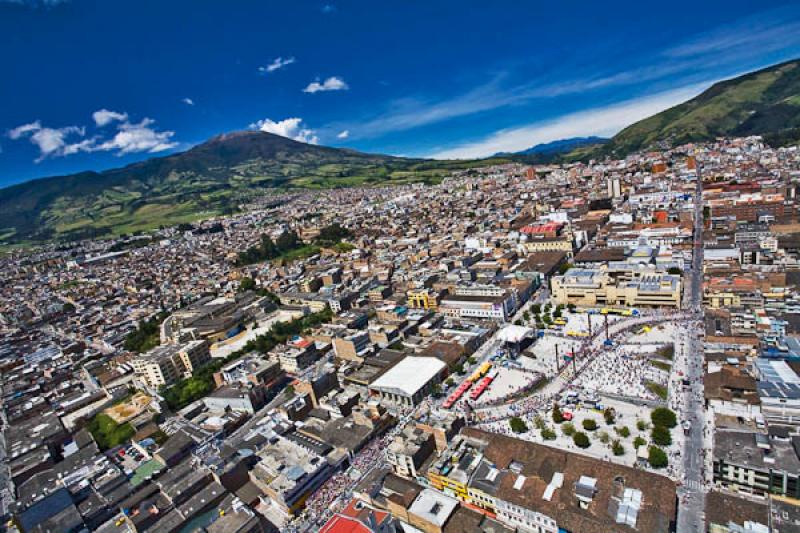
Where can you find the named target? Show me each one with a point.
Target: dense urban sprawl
(603, 346)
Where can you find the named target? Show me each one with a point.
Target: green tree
(623, 431)
(518, 425)
(333, 234)
(661, 436)
(247, 284)
(564, 267)
(674, 271)
(536, 309)
(661, 416)
(288, 240)
(657, 457)
(589, 424)
(639, 441)
(568, 429)
(581, 440)
(548, 434)
(147, 335)
(617, 448)
(603, 437)
(609, 416)
(558, 416)
(641, 425)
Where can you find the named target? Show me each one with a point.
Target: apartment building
(757, 463)
(168, 363)
(409, 450)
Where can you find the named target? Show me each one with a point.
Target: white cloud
(333, 83)
(277, 64)
(293, 128)
(187, 101)
(764, 32)
(718, 53)
(105, 117)
(19, 131)
(343, 135)
(138, 137)
(408, 113)
(602, 122)
(129, 138)
(52, 142)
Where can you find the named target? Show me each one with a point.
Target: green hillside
(765, 102)
(209, 179)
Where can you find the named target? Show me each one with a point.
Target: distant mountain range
(558, 147)
(216, 176)
(211, 178)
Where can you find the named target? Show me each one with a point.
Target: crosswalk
(693, 484)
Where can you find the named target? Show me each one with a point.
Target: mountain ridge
(210, 178)
(216, 176)
(558, 146)
(763, 102)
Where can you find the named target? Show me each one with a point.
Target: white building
(409, 381)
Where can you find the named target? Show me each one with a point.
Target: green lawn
(661, 364)
(658, 390)
(108, 433)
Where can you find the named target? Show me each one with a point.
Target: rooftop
(409, 375)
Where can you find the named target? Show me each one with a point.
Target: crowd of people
(328, 498)
(622, 371)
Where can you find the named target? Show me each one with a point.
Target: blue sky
(100, 84)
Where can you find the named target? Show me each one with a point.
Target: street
(691, 511)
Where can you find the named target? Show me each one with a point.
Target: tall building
(614, 187)
(168, 363)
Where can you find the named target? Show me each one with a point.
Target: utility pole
(606, 327)
(589, 319)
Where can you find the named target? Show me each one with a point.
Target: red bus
(456, 394)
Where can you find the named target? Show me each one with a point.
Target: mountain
(562, 145)
(216, 176)
(211, 178)
(765, 102)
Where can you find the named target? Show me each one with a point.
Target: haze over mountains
(559, 146)
(213, 177)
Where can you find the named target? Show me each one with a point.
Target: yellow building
(422, 299)
(721, 299)
(596, 287)
(558, 244)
